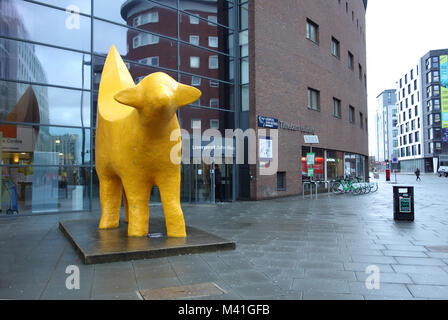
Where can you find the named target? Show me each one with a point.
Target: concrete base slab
(102, 246)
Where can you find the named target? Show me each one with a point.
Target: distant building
(435, 108)
(410, 124)
(386, 126)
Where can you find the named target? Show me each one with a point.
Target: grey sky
(399, 33)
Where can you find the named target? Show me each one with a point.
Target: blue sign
(266, 122)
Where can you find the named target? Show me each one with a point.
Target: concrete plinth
(103, 246)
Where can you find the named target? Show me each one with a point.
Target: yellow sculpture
(133, 146)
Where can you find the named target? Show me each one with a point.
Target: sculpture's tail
(115, 77)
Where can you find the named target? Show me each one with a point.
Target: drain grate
(183, 292)
(438, 248)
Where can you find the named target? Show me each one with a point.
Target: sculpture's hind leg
(110, 197)
(169, 186)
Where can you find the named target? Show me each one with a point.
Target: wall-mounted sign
(310, 172)
(265, 148)
(266, 122)
(311, 139)
(273, 123)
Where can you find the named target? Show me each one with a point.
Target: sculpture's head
(158, 96)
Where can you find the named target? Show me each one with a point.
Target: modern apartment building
(435, 108)
(386, 126)
(423, 113)
(410, 120)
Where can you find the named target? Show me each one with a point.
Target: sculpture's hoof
(108, 224)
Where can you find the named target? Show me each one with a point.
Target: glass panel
(205, 31)
(35, 63)
(137, 72)
(146, 15)
(34, 145)
(134, 45)
(211, 64)
(27, 190)
(215, 94)
(82, 6)
(24, 20)
(45, 105)
(221, 9)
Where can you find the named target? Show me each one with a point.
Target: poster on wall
(444, 95)
(265, 148)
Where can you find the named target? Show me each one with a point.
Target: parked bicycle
(354, 186)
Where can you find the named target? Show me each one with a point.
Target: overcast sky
(399, 33)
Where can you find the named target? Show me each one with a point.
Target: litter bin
(403, 203)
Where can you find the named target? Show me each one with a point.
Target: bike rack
(310, 183)
(326, 182)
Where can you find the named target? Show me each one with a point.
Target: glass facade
(51, 58)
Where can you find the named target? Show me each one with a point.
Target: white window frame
(153, 17)
(193, 65)
(137, 41)
(214, 84)
(214, 124)
(149, 61)
(194, 42)
(211, 64)
(213, 20)
(213, 42)
(194, 19)
(197, 121)
(214, 101)
(196, 83)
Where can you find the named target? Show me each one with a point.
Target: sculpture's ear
(129, 97)
(186, 95)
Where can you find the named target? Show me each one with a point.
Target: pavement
(289, 249)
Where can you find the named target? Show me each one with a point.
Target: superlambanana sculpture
(134, 146)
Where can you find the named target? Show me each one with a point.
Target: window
(214, 84)
(411, 138)
(312, 31)
(194, 40)
(360, 72)
(213, 62)
(214, 124)
(335, 47)
(413, 125)
(150, 17)
(213, 42)
(412, 74)
(195, 81)
(351, 114)
(281, 181)
(194, 19)
(144, 39)
(194, 62)
(214, 103)
(313, 99)
(415, 84)
(415, 111)
(151, 61)
(417, 136)
(337, 108)
(195, 124)
(361, 120)
(212, 20)
(351, 65)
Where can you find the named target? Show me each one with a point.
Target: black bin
(403, 203)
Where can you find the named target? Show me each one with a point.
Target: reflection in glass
(54, 105)
(204, 34)
(26, 190)
(212, 10)
(210, 64)
(24, 20)
(28, 62)
(34, 145)
(137, 46)
(215, 94)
